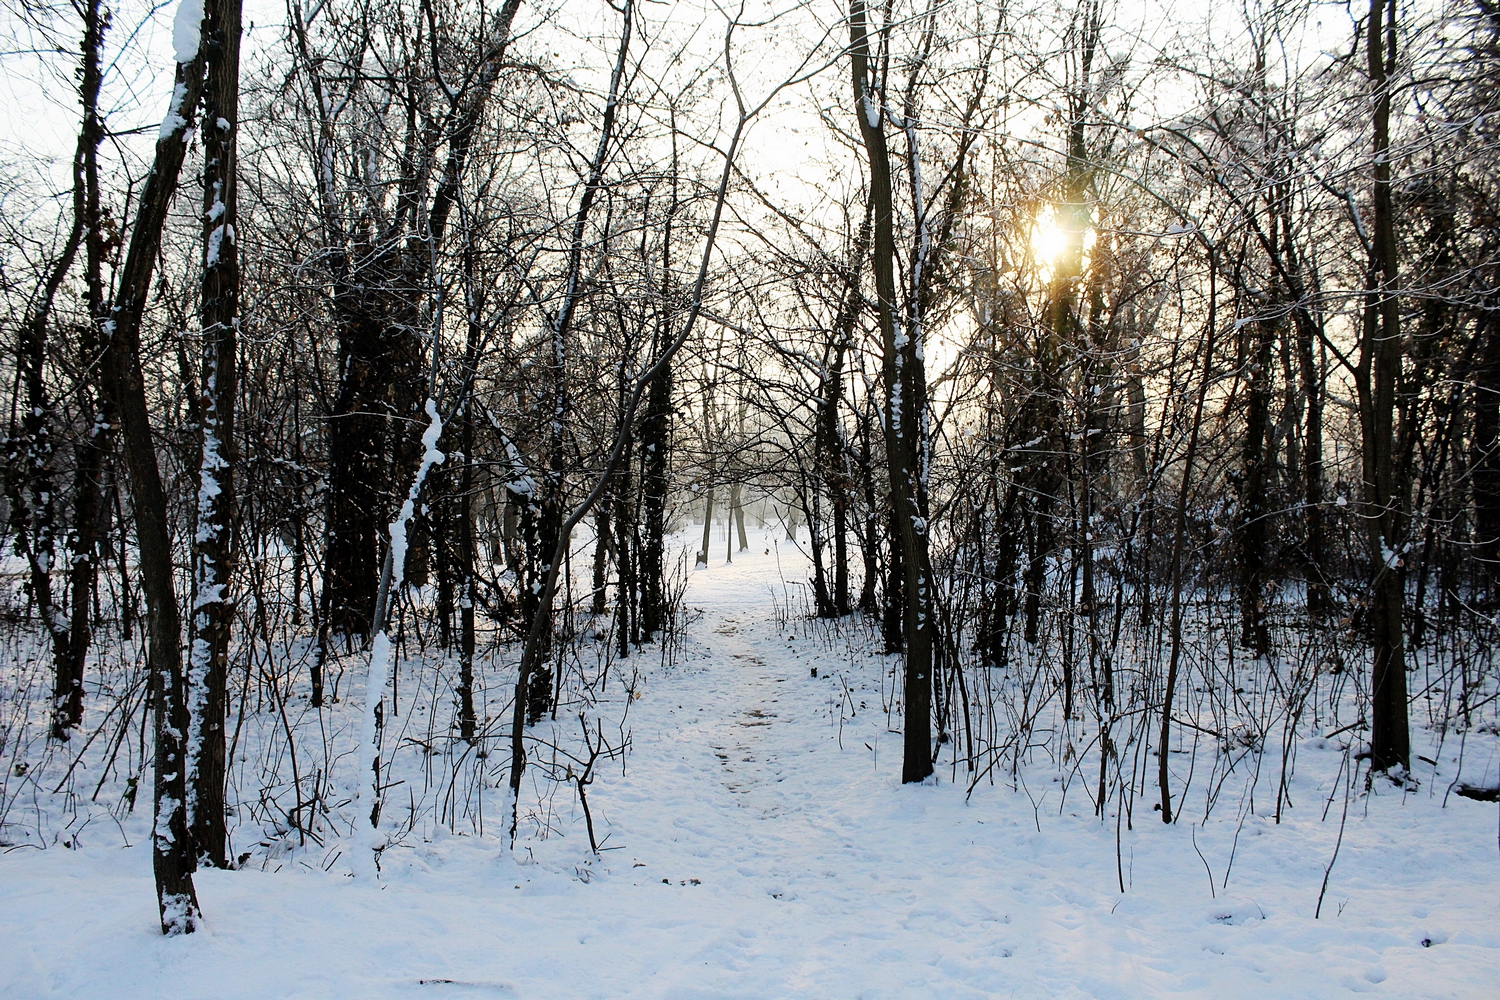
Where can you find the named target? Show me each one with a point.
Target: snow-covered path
(759, 845)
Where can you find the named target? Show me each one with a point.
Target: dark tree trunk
(893, 594)
(602, 539)
(656, 443)
(30, 488)
(1312, 464)
(870, 540)
(172, 856)
(708, 514)
(625, 558)
(906, 399)
(822, 596)
(656, 438)
(89, 512)
(1254, 534)
(29, 480)
(358, 472)
(1379, 382)
(1179, 537)
(830, 460)
(214, 544)
(737, 510)
(468, 722)
(1485, 449)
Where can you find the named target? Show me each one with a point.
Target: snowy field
(759, 845)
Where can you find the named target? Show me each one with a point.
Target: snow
(758, 844)
(187, 27)
(170, 125)
(216, 243)
(364, 856)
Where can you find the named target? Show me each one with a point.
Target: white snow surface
(759, 844)
(173, 121)
(187, 29)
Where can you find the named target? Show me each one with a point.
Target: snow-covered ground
(759, 845)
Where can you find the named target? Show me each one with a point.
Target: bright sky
(788, 150)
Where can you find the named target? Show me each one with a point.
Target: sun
(1050, 239)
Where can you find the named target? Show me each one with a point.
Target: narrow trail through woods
(758, 845)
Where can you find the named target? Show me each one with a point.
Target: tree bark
(214, 549)
(1379, 382)
(93, 402)
(172, 855)
(1254, 536)
(906, 400)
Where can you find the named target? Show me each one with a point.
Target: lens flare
(1051, 240)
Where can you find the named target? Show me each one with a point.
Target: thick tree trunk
(358, 472)
(1379, 383)
(656, 443)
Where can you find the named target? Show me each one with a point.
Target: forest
(1102, 398)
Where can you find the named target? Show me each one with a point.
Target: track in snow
(761, 846)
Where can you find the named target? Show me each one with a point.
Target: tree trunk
(172, 856)
(708, 517)
(1312, 464)
(906, 400)
(1485, 451)
(88, 488)
(1379, 382)
(738, 510)
(656, 437)
(870, 541)
(602, 538)
(625, 557)
(1254, 534)
(214, 544)
(357, 467)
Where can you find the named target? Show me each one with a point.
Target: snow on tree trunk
(366, 855)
